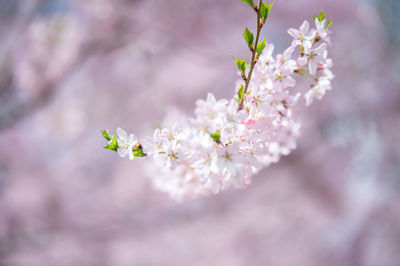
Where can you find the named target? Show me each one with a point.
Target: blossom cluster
(228, 141)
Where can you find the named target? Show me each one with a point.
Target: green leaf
(248, 36)
(250, 2)
(320, 16)
(216, 136)
(241, 64)
(264, 10)
(240, 94)
(261, 46)
(138, 153)
(329, 23)
(113, 145)
(106, 135)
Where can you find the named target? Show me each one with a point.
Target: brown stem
(253, 56)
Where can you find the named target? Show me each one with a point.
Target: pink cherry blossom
(222, 147)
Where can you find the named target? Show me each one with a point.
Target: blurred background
(70, 68)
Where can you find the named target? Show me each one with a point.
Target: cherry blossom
(225, 143)
(322, 30)
(303, 35)
(126, 143)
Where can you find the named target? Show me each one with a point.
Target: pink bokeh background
(69, 69)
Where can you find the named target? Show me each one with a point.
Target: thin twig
(253, 56)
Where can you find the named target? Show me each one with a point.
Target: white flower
(326, 68)
(303, 35)
(322, 32)
(172, 133)
(259, 102)
(229, 159)
(205, 158)
(173, 153)
(315, 57)
(125, 143)
(154, 145)
(318, 91)
(266, 59)
(232, 127)
(209, 114)
(284, 61)
(283, 79)
(253, 153)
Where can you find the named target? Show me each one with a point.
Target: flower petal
(121, 134)
(304, 27)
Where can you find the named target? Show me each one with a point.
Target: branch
(253, 56)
